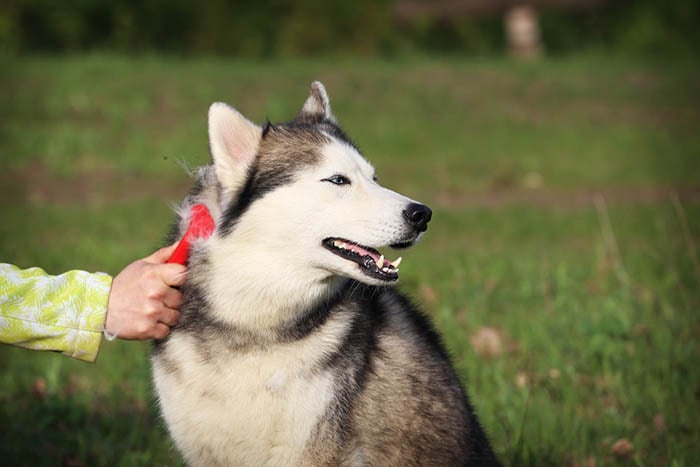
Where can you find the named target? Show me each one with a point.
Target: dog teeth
(390, 267)
(368, 261)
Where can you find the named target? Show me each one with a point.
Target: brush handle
(201, 226)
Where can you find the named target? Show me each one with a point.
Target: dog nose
(418, 215)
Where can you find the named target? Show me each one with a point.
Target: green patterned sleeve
(63, 313)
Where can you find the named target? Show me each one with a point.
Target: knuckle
(157, 295)
(156, 292)
(150, 309)
(143, 328)
(150, 273)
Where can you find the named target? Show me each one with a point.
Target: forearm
(64, 313)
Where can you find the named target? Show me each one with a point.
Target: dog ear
(233, 141)
(317, 106)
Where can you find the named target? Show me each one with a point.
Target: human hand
(143, 303)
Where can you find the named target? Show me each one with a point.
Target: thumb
(162, 255)
(172, 275)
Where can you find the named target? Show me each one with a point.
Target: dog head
(300, 196)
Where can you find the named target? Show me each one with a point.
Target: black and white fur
(293, 348)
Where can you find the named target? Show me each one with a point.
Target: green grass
(596, 306)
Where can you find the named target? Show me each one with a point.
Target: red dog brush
(201, 226)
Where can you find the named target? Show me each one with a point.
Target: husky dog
(292, 347)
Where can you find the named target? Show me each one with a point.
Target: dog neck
(255, 295)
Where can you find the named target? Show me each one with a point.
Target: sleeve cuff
(88, 336)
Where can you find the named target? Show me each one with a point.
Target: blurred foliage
(642, 27)
(277, 28)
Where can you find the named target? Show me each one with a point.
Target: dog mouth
(371, 262)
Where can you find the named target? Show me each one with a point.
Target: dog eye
(337, 180)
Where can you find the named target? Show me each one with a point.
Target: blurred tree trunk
(523, 32)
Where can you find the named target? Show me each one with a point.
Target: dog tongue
(372, 254)
(362, 252)
(201, 226)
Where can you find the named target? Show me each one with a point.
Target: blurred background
(384, 28)
(556, 141)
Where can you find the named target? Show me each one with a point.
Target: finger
(161, 255)
(173, 299)
(169, 317)
(172, 275)
(160, 331)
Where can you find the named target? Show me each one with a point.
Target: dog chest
(259, 407)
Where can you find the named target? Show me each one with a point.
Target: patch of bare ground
(566, 199)
(35, 184)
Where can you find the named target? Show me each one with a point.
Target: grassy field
(561, 265)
